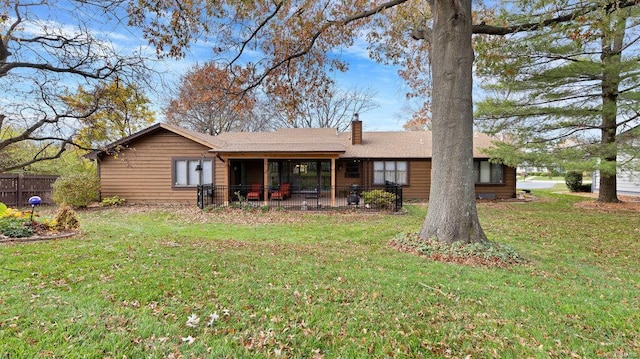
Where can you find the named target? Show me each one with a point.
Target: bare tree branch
(255, 32)
(499, 30)
(315, 36)
(42, 62)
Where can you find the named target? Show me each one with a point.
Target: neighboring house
(627, 182)
(628, 179)
(164, 164)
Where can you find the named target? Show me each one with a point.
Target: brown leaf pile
(192, 214)
(627, 203)
(470, 260)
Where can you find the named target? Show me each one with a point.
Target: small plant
(112, 201)
(66, 218)
(8, 212)
(15, 227)
(76, 189)
(242, 203)
(378, 198)
(14, 213)
(48, 224)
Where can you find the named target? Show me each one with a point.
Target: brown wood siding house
(140, 168)
(156, 165)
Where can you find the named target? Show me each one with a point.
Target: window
(392, 171)
(186, 173)
(352, 170)
(487, 172)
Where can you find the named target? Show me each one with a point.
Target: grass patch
(322, 285)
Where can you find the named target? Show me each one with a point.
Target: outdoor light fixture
(34, 201)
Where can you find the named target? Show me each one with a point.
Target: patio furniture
(314, 194)
(255, 193)
(283, 192)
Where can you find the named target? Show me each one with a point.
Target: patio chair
(283, 192)
(255, 193)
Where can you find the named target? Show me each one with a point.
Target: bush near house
(76, 189)
(112, 201)
(378, 198)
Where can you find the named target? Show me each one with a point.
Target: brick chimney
(356, 130)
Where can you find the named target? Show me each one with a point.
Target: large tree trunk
(452, 214)
(612, 43)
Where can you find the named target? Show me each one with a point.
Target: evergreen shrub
(573, 180)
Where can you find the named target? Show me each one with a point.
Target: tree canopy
(47, 49)
(117, 110)
(209, 99)
(333, 108)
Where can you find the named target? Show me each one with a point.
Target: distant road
(536, 184)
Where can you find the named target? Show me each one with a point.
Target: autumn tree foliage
(117, 110)
(420, 118)
(210, 99)
(46, 51)
(390, 42)
(296, 38)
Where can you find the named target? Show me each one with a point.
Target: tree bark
(612, 43)
(452, 215)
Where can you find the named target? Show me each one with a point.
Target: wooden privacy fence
(15, 189)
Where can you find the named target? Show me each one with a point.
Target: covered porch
(276, 178)
(304, 176)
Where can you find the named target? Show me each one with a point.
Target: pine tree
(563, 94)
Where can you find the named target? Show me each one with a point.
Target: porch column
(227, 168)
(333, 182)
(265, 181)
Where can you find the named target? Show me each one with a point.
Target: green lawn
(290, 284)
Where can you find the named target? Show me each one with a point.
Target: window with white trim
(187, 174)
(391, 171)
(486, 172)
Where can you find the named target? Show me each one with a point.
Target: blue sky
(363, 72)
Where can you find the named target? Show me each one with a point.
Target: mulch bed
(627, 203)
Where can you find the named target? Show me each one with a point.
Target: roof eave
(109, 148)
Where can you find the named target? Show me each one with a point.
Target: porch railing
(386, 197)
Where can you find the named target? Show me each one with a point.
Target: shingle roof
(397, 144)
(392, 144)
(283, 140)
